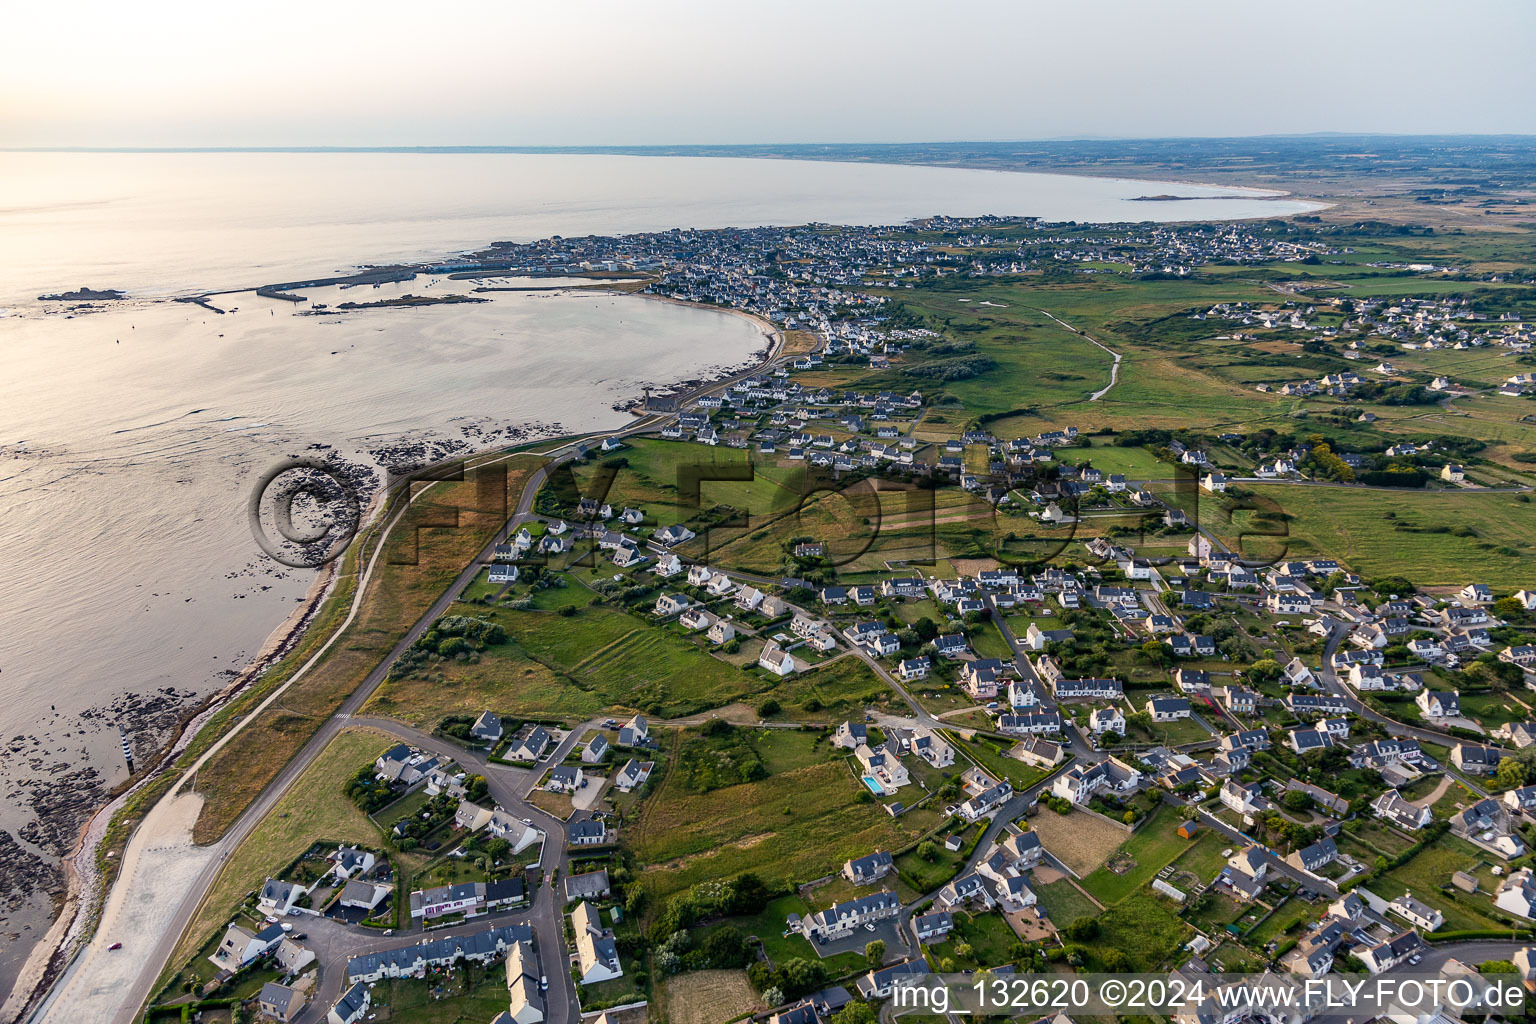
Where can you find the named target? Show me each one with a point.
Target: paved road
(1469, 953)
(509, 787)
(1335, 685)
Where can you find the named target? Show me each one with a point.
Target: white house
(596, 954)
(776, 660)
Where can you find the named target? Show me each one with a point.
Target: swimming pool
(874, 785)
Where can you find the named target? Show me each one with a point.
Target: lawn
(768, 926)
(926, 876)
(1287, 919)
(1143, 929)
(1380, 837)
(988, 935)
(1104, 455)
(1377, 537)
(1063, 902)
(791, 827)
(1151, 848)
(1202, 857)
(1431, 868)
(989, 643)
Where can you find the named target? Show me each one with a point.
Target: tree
(1510, 774)
(1082, 929)
(768, 708)
(476, 789)
(928, 850)
(874, 953)
(1497, 967)
(1296, 800)
(856, 1012)
(1115, 961)
(724, 947)
(773, 995)
(1265, 670)
(749, 894)
(965, 951)
(1508, 608)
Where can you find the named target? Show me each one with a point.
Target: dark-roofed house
(842, 918)
(1315, 857)
(1394, 808)
(869, 869)
(879, 984)
(351, 1007)
(277, 897)
(1394, 951)
(597, 955)
(590, 885)
(528, 743)
(934, 927)
(413, 961)
(591, 832)
(1476, 759)
(487, 727)
(525, 996)
(632, 775)
(280, 1002)
(1168, 709)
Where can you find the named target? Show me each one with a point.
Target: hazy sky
(177, 72)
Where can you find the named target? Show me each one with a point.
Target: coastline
(61, 950)
(85, 893)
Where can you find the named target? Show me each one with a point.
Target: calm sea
(129, 438)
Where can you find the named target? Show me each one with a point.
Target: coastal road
(99, 985)
(160, 954)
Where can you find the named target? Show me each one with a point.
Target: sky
(386, 73)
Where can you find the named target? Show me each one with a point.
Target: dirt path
(1434, 794)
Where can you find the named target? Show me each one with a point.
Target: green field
(792, 827)
(1143, 929)
(603, 658)
(1350, 524)
(1152, 847)
(1431, 868)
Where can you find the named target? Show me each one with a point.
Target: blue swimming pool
(874, 785)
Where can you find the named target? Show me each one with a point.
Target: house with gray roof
(280, 1002)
